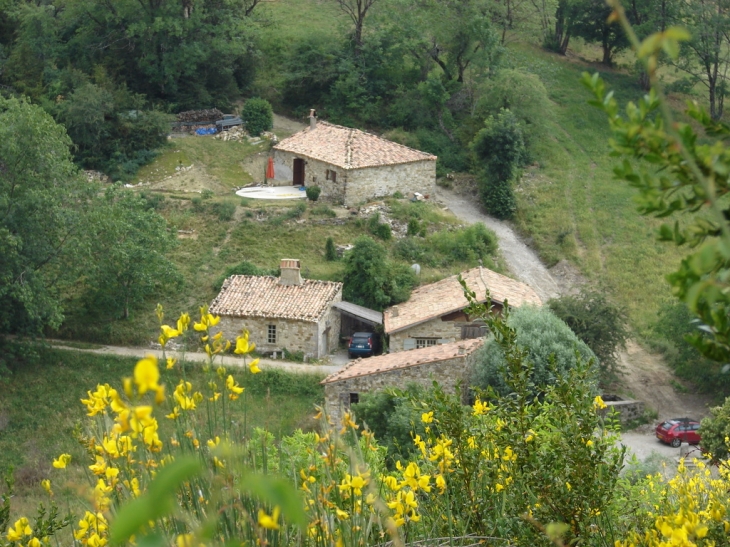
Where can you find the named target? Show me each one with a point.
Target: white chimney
(312, 119)
(290, 272)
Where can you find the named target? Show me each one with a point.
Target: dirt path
(199, 357)
(522, 261)
(646, 377)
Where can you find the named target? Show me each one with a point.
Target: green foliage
(242, 268)
(549, 345)
(414, 227)
(257, 116)
(330, 253)
(597, 322)
(687, 176)
(381, 230)
(370, 281)
(394, 419)
(593, 25)
(673, 330)
(42, 204)
(521, 93)
(127, 251)
(313, 192)
(471, 244)
(225, 210)
(715, 429)
(500, 148)
(206, 194)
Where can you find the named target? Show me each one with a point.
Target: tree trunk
(713, 101)
(607, 58)
(644, 82)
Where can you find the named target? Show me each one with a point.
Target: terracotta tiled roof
(349, 148)
(403, 359)
(262, 296)
(446, 296)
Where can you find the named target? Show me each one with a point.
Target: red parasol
(270, 169)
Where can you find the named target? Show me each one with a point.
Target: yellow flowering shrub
(166, 460)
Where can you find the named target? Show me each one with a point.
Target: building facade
(281, 313)
(434, 314)
(352, 166)
(447, 364)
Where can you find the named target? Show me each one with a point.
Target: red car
(677, 431)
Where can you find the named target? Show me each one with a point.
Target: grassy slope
(574, 208)
(40, 409)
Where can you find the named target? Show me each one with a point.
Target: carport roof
(364, 314)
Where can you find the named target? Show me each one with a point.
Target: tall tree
(706, 56)
(356, 10)
(42, 198)
(126, 243)
(593, 25)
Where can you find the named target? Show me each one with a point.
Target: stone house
(434, 314)
(351, 166)
(285, 312)
(448, 364)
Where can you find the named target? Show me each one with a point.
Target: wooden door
(298, 179)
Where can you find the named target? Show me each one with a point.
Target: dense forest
(434, 71)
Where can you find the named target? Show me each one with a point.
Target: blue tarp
(203, 131)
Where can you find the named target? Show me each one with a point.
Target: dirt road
(522, 261)
(199, 357)
(646, 377)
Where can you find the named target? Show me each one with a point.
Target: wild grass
(40, 411)
(573, 208)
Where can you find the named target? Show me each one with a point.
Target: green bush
(394, 419)
(598, 322)
(552, 349)
(330, 253)
(206, 194)
(257, 116)
(466, 244)
(224, 209)
(197, 203)
(379, 229)
(674, 324)
(414, 227)
(370, 280)
(500, 149)
(383, 231)
(313, 192)
(714, 429)
(413, 250)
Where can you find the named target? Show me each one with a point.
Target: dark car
(678, 431)
(362, 344)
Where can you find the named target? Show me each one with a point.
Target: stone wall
(385, 180)
(448, 373)
(629, 411)
(445, 331)
(315, 173)
(356, 186)
(290, 334)
(329, 330)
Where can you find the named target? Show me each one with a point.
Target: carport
(358, 319)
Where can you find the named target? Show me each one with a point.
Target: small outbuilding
(434, 314)
(350, 165)
(448, 364)
(285, 312)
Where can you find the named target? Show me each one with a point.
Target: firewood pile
(237, 133)
(192, 116)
